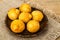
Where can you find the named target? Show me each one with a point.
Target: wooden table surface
(53, 5)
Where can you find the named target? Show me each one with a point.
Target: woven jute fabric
(51, 32)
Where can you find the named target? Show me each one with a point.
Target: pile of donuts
(25, 15)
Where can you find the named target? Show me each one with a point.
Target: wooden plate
(25, 33)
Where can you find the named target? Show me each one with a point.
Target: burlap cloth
(53, 29)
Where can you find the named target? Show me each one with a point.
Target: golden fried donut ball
(13, 13)
(25, 17)
(37, 15)
(17, 26)
(33, 26)
(25, 8)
